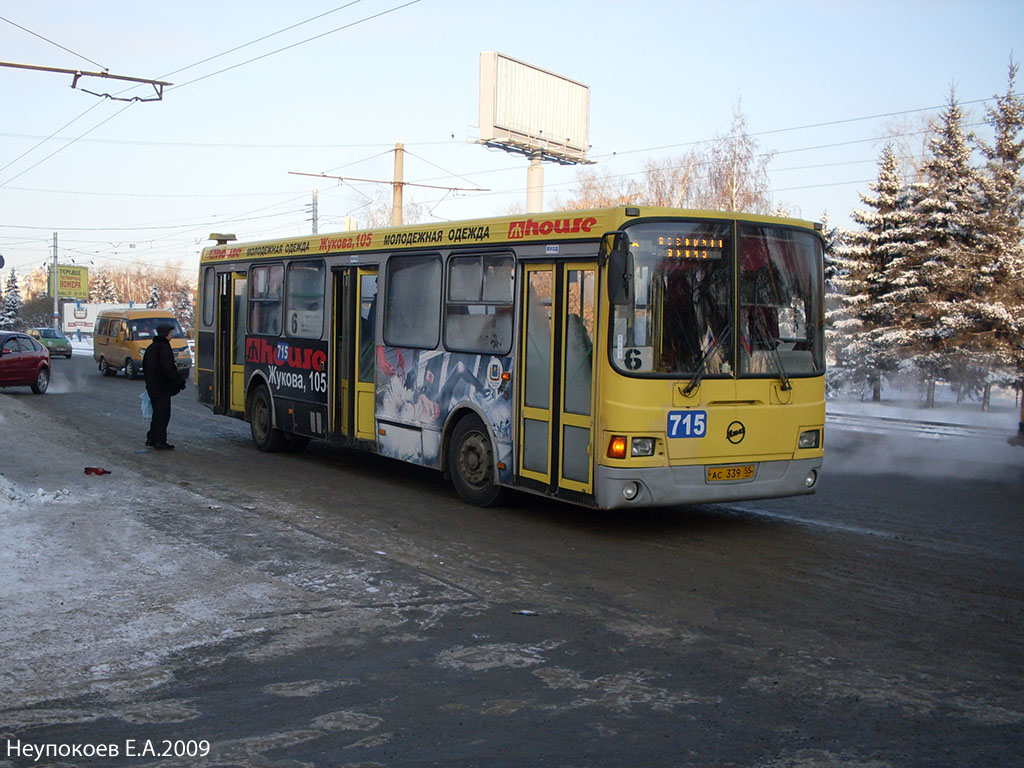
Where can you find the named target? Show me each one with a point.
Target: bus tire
(106, 368)
(471, 463)
(261, 423)
(129, 369)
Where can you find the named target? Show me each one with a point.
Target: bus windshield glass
(680, 319)
(683, 321)
(781, 318)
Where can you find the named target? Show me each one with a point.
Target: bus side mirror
(616, 254)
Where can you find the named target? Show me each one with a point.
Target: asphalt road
(331, 608)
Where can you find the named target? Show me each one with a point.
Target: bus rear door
(230, 347)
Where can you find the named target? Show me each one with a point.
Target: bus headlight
(630, 491)
(811, 479)
(810, 439)
(642, 446)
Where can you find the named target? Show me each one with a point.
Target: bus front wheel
(471, 463)
(261, 423)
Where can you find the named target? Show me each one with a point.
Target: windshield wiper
(702, 365)
(761, 328)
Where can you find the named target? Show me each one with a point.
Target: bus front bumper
(619, 488)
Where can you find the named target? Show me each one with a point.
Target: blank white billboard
(529, 109)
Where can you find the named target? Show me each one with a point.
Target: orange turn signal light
(617, 447)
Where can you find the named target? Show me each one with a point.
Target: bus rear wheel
(261, 423)
(471, 463)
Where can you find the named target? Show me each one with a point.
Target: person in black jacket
(162, 383)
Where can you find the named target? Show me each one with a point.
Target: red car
(24, 362)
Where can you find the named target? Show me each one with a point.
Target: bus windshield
(682, 299)
(781, 317)
(683, 321)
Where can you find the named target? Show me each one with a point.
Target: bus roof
(586, 224)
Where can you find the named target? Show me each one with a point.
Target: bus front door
(229, 393)
(556, 424)
(352, 403)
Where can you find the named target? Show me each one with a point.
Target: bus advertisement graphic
(295, 368)
(419, 388)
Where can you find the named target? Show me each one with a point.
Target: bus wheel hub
(472, 459)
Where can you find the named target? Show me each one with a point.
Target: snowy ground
(93, 594)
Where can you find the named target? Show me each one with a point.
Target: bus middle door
(353, 340)
(556, 403)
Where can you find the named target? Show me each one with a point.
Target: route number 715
(687, 423)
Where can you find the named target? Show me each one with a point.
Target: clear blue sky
(155, 179)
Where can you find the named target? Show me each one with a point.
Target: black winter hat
(163, 328)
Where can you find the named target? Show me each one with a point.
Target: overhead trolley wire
(296, 45)
(51, 42)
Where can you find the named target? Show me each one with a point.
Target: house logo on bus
(517, 230)
(284, 353)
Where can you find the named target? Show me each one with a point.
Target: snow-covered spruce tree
(863, 315)
(10, 307)
(942, 315)
(154, 297)
(185, 309)
(836, 310)
(101, 289)
(1003, 201)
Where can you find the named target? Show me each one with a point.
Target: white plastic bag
(147, 406)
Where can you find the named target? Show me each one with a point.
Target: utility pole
(56, 286)
(315, 194)
(397, 184)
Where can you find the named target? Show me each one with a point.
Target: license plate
(740, 472)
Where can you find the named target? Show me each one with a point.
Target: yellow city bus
(623, 357)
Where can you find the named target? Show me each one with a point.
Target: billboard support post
(535, 185)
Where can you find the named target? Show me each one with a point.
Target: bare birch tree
(730, 173)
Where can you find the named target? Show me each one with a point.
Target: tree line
(931, 284)
(26, 304)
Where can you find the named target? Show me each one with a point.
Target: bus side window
(478, 309)
(266, 299)
(412, 301)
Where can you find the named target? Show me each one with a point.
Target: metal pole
(535, 185)
(396, 201)
(56, 286)
(315, 193)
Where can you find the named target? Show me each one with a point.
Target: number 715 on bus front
(687, 423)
